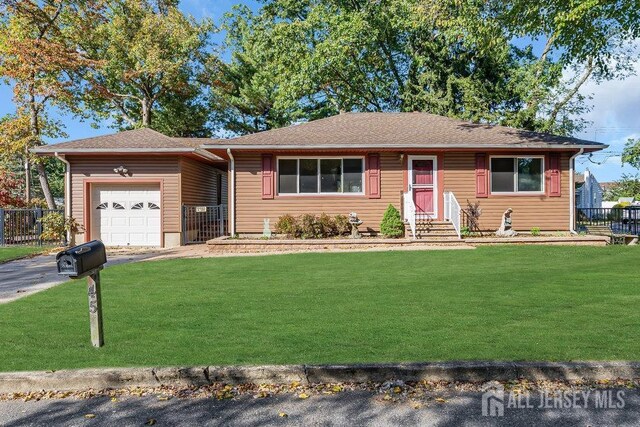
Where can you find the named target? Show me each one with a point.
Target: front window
(320, 176)
(517, 174)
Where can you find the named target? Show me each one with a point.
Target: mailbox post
(87, 260)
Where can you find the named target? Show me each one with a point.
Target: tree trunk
(35, 141)
(146, 112)
(27, 177)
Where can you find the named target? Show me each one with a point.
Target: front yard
(498, 303)
(9, 253)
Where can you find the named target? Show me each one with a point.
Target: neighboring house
(588, 191)
(352, 162)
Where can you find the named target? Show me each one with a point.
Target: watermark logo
(493, 400)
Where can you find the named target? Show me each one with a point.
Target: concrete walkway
(30, 275)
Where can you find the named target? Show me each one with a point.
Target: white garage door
(126, 215)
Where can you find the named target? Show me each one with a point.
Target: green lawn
(498, 303)
(13, 252)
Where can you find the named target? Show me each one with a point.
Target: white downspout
(67, 190)
(572, 191)
(232, 202)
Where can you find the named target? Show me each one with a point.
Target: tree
(453, 57)
(627, 186)
(38, 59)
(631, 153)
(148, 57)
(10, 191)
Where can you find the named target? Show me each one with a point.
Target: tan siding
(547, 213)
(199, 182)
(251, 209)
(148, 167)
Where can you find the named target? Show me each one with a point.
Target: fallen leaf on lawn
(417, 406)
(90, 415)
(440, 400)
(283, 414)
(295, 384)
(303, 396)
(387, 397)
(397, 390)
(114, 399)
(150, 422)
(336, 389)
(163, 398)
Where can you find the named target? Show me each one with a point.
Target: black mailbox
(82, 260)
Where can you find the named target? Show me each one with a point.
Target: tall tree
(453, 57)
(37, 58)
(150, 55)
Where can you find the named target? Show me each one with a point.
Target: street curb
(81, 379)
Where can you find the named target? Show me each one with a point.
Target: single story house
(427, 166)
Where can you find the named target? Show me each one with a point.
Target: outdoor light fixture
(121, 170)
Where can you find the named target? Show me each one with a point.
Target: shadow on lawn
(346, 408)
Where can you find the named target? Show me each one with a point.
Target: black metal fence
(621, 220)
(202, 223)
(23, 227)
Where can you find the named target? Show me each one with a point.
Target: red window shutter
(267, 176)
(482, 176)
(555, 189)
(373, 176)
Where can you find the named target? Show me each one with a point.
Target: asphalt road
(354, 408)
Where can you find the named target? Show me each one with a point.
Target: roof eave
(405, 147)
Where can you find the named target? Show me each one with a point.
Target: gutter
(392, 147)
(67, 190)
(232, 202)
(572, 191)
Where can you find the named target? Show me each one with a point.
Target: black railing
(201, 223)
(23, 227)
(621, 220)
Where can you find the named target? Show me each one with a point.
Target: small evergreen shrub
(343, 226)
(288, 226)
(392, 225)
(535, 231)
(465, 232)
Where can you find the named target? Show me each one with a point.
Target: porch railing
(24, 227)
(620, 220)
(203, 222)
(410, 211)
(452, 210)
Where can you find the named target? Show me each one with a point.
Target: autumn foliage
(10, 191)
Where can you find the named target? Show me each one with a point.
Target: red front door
(422, 186)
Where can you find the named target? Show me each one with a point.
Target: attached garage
(126, 215)
(130, 188)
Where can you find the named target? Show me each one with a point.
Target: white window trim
(436, 194)
(319, 193)
(515, 176)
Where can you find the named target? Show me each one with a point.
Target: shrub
(55, 226)
(465, 232)
(535, 231)
(288, 225)
(392, 225)
(309, 226)
(327, 225)
(343, 226)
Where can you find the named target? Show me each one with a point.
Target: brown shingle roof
(142, 140)
(352, 130)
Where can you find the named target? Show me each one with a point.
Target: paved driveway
(27, 276)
